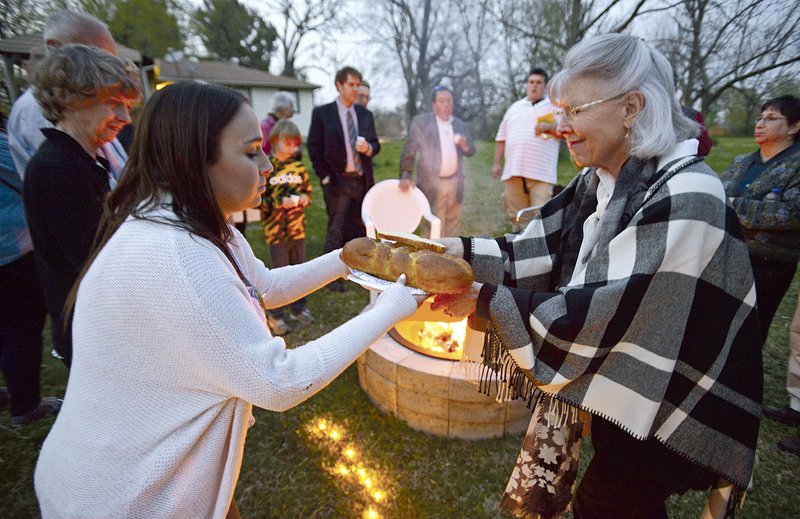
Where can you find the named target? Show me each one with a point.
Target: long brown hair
(177, 138)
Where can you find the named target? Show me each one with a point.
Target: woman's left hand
(458, 305)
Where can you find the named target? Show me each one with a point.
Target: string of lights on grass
(345, 462)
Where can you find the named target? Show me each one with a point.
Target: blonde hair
(70, 76)
(285, 130)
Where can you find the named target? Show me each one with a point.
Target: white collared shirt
(605, 190)
(447, 145)
(343, 120)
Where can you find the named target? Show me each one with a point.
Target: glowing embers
(443, 340)
(345, 462)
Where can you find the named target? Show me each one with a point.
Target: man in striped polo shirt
(528, 142)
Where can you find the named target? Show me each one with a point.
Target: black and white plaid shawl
(659, 333)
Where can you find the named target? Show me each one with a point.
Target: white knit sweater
(169, 354)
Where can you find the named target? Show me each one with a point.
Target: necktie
(352, 134)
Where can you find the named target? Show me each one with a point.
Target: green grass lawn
(289, 472)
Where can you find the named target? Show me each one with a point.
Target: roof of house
(226, 74)
(21, 46)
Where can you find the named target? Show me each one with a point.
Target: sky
(321, 58)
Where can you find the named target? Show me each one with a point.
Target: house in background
(256, 85)
(16, 50)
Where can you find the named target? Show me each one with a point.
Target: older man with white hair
(26, 120)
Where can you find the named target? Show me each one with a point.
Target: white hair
(281, 102)
(66, 27)
(627, 63)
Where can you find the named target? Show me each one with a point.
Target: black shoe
(336, 286)
(792, 445)
(785, 415)
(49, 406)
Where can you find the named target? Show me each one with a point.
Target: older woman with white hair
(629, 297)
(282, 108)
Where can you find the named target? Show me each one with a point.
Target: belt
(351, 174)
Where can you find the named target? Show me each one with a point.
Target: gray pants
(281, 255)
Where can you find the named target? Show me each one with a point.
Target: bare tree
(539, 32)
(301, 18)
(733, 44)
(420, 36)
(473, 78)
(20, 17)
(563, 23)
(528, 30)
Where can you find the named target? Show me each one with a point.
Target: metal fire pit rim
(397, 336)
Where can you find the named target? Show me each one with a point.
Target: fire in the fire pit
(441, 340)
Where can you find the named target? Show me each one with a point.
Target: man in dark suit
(341, 143)
(440, 141)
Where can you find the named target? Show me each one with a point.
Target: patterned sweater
(288, 178)
(657, 334)
(772, 227)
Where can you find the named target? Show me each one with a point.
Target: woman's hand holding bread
(458, 305)
(453, 246)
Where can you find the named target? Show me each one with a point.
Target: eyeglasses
(767, 120)
(571, 112)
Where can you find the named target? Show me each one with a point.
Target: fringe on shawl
(495, 369)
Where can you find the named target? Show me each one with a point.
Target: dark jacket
(64, 192)
(772, 227)
(326, 146)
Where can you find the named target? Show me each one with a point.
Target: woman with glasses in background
(764, 189)
(629, 297)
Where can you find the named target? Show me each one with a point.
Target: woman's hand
(397, 296)
(458, 305)
(454, 246)
(419, 299)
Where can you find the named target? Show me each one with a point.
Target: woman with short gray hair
(629, 297)
(282, 108)
(87, 93)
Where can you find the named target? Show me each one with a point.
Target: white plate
(377, 284)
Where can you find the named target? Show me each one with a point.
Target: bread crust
(433, 272)
(411, 240)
